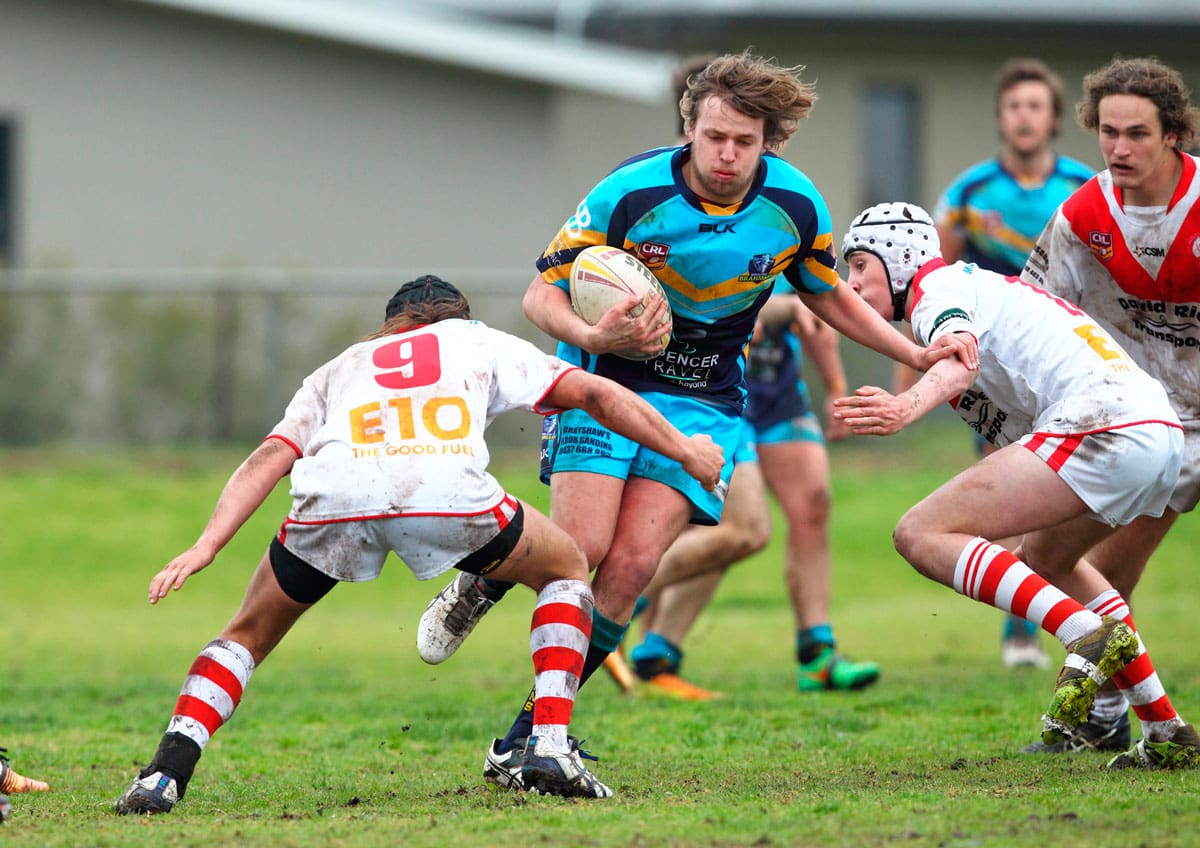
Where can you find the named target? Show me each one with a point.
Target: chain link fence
(183, 356)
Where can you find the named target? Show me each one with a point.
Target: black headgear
(424, 289)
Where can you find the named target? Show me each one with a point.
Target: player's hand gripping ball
(604, 276)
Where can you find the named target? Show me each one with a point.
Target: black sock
(176, 757)
(493, 590)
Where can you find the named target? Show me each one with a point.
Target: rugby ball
(604, 276)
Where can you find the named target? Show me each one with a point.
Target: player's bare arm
(621, 410)
(872, 411)
(962, 346)
(846, 311)
(244, 492)
(618, 331)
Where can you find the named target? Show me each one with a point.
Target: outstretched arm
(245, 491)
(624, 412)
(853, 317)
(871, 411)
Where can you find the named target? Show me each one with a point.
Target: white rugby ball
(604, 276)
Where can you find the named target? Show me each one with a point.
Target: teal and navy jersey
(716, 264)
(999, 216)
(773, 379)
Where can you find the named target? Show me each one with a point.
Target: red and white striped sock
(558, 639)
(211, 690)
(1139, 681)
(992, 575)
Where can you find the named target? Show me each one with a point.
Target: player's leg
(282, 588)
(453, 613)
(1019, 643)
(11, 782)
(655, 500)
(1013, 492)
(1121, 558)
(652, 515)
(796, 469)
(658, 656)
(545, 558)
(689, 574)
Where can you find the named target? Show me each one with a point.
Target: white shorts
(353, 551)
(1121, 473)
(1187, 492)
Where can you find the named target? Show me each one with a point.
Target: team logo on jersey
(759, 268)
(653, 254)
(1101, 245)
(1196, 247)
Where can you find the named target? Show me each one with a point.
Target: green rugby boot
(832, 672)
(1090, 662)
(1181, 751)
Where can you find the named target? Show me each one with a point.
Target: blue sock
(812, 640)
(655, 647)
(606, 636)
(1016, 626)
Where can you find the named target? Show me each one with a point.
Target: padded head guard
(424, 292)
(904, 238)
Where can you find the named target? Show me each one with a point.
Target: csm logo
(1147, 250)
(716, 228)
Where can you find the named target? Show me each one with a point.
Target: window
(889, 124)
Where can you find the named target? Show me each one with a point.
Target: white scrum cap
(901, 234)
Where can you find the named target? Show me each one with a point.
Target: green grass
(346, 738)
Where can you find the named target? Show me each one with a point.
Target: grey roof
(439, 33)
(1082, 12)
(546, 41)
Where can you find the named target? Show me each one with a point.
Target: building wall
(151, 139)
(148, 142)
(953, 76)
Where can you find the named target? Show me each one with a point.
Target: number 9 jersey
(394, 426)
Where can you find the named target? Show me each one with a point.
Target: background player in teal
(993, 212)
(716, 220)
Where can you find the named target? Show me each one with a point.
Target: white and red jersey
(394, 426)
(1045, 366)
(1137, 271)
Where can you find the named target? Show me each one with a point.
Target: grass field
(345, 738)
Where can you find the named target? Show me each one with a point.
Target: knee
(907, 539)
(631, 570)
(1044, 562)
(810, 511)
(748, 538)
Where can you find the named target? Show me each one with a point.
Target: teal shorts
(574, 441)
(802, 428)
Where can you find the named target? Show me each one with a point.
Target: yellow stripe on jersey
(977, 223)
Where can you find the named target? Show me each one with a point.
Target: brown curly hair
(756, 87)
(1144, 77)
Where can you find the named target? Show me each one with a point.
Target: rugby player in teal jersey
(716, 220)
